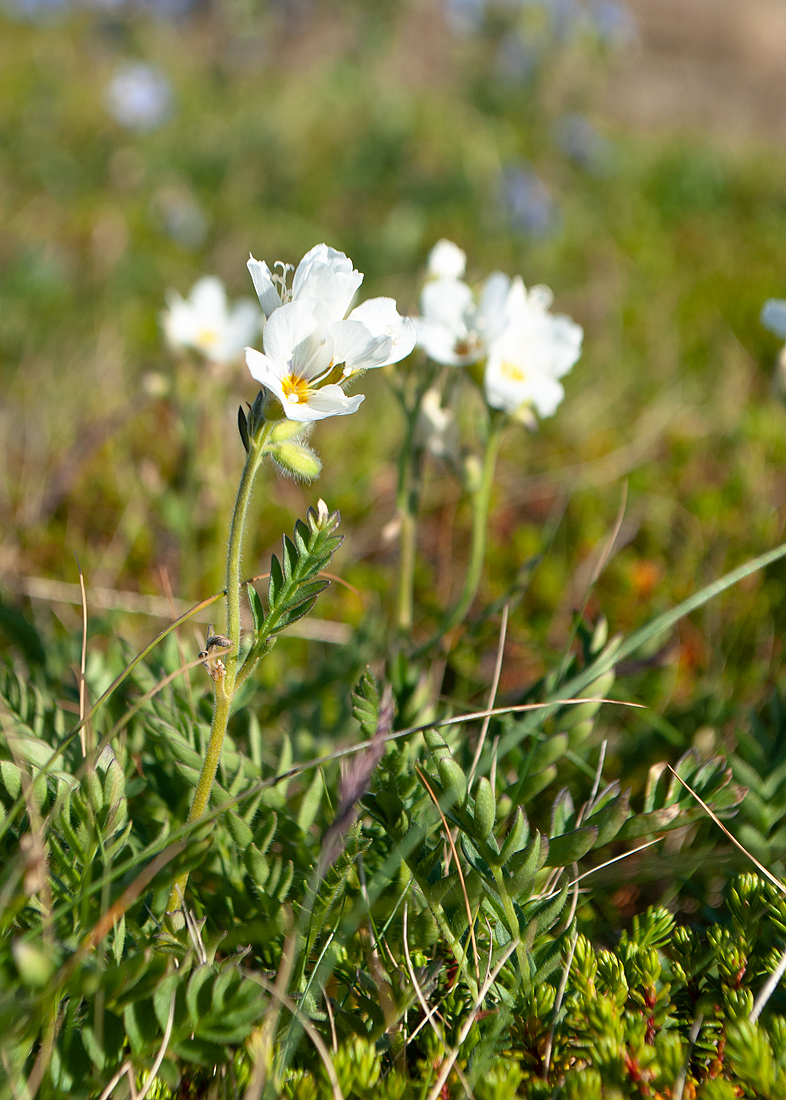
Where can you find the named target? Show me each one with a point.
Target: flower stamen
(296, 390)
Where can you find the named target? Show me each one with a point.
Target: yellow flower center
(296, 390)
(207, 337)
(512, 371)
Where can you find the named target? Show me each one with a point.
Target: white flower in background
(311, 347)
(139, 97)
(526, 349)
(436, 428)
(206, 322)
(535, 349)
(373, 335)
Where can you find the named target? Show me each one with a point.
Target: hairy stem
(225, 682)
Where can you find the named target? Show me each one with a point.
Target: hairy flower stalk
(312, 350)
(224, 678)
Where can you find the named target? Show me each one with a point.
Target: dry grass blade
(768, 989)
(156, 1066)
(429, 1012)
(307, 1026)
(470, 919)
(448, 1064)
(503, 629)
(126, 1068)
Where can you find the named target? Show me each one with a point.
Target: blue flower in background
(35, 11)
(139, 97)
(464, 16)
(516, 58)
(527, 202)
(613, 22)
(576, 136)
(564, 15)
(773, 316)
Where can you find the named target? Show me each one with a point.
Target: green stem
(514, 927)
(225, 683)
(481, 501)
(406, 570)
(407, 503)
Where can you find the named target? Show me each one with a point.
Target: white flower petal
(267, 292)
(329, 277)
(286, 330)
(542, 297)
(446, 261)
(565, 339)
(381, 318)
(208, 297)
(493, 304)
(328, 401)
(357, 348)
(449, 301)
(509, 387)
(264, 370)
(331, 257)
(439, 343)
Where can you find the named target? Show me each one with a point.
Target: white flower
(534, 350)
(324, 283)
(205, 321)
(436, 427)
(297, 364)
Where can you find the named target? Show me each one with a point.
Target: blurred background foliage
(144, 145)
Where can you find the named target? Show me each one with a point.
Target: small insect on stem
(214, 645)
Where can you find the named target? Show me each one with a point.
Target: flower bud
(298, 460)
(485, 809)
(35, 966)
(453, 779)
(286, 430)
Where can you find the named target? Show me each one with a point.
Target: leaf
(563, 814)
(257, 609)
(566, 849)
(610, 819)
(365, 703)
(199, 993)
(275, 581)
(289, 558)
(309, 806)
(242, 425)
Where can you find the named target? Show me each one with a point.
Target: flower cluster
(525, 348)
(312, 345)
